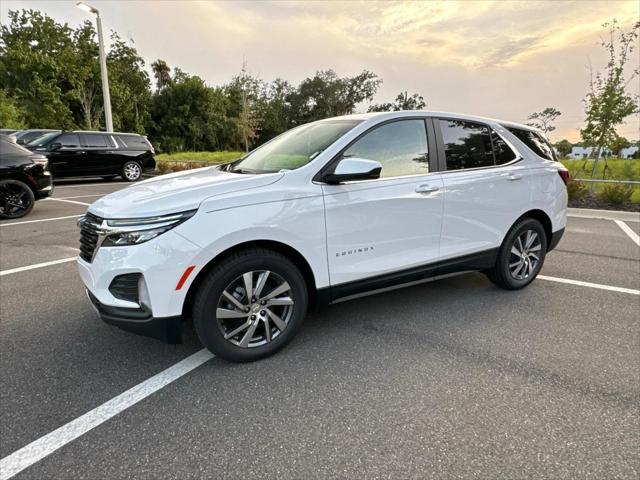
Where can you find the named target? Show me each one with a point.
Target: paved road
(451, 379)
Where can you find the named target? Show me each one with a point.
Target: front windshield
(294, 148)
(42, 140)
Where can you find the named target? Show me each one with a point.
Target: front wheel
(521, 255)
(131, 171)
(16, 199)
(250, 305)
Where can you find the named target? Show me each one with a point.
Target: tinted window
(401, 148)
(535, 142)
(501, 150)
(43, 140)
(69, 140)
(96, 141)
(135, 142)
(466, 144)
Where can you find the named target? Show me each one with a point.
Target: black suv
(24, 178)
(96, 154)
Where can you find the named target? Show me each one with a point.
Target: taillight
(564, 174)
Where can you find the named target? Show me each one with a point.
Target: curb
(604, 214)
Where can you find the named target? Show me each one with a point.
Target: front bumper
(140, 321)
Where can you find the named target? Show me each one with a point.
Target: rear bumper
(140, 321)
(555, 239)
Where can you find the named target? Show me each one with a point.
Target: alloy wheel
(15, 201)
(254, 309)
(525, 255)
(132, 171)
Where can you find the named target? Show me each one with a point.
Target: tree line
(50, 78)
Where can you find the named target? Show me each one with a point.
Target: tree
(162, 73)
(563, 147)
(244, 91)
(403, 102)
(617, 144)
(608, 103)
(10, 114)
(543, 120)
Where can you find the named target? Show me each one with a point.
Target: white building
(628, 152)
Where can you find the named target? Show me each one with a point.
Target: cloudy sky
(494, 58)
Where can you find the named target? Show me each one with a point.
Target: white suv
(327, 210)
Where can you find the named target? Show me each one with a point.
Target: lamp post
(103, 65)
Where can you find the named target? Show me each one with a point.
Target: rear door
(101, 158)
(389, 227)
(486, 188)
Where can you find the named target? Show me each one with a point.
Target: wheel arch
(543, 218)
(291, 253)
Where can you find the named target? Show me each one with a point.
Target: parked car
(326, 211)
(24, 137)
(7, 131)
(24, 178)
(96, 154)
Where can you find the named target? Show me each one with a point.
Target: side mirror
(351, 169)
(55, 146)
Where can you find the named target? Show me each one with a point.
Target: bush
(163, 167)
(576, 189)
(616, 193)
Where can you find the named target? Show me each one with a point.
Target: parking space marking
(36, 265)
(590, 285)
(81, 196)
(40, 220)
(67, 201)
(49, 443)
(89, 185)
(626, 229)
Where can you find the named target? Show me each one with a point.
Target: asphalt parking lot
(449, 379)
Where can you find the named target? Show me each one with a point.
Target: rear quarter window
(135, 142)
(535, 141)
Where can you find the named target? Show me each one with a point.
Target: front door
(381, 230)
(68, 157)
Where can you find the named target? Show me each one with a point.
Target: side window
(466, 144)
(401, 148)
(535, 142)
(501, 150)
(96, 141)
(69, 140)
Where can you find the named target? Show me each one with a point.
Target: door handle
(427, 189)
(513, 176)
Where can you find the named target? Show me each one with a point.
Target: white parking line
(46, 445)
(626, 229)
(67, 201)
(80, 196)
(40, 220)
(36, 265)
(91, 185)
(590, 285)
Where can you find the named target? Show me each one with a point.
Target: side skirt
(476, 261)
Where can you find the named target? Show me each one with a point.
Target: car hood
(176, 192)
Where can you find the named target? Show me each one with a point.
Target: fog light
(143, 293)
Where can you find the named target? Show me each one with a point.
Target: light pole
(103, 66)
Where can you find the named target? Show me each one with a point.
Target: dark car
(8, 131)
(24, 178)
(27, 136)
(96, 154)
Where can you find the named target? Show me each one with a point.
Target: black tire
(507, 262)
(209, 301)
(16, 199)
(131, 171)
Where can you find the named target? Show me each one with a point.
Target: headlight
(133, 231)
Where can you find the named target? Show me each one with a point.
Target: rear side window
(535, 142)
(69, 140)
(466, 144)
(96, 141)
(135, 142)
(501, 150)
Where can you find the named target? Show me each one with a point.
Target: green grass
(199, 157)
(616, 169)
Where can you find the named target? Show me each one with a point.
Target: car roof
(104, 133)
(433, 113)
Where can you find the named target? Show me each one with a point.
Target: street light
(103, 65)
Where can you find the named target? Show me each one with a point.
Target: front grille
(89, 227)
(125, 287)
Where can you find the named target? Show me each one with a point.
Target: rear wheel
(131, 171)
(16, 199)
(250, 305)
(521, 255)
